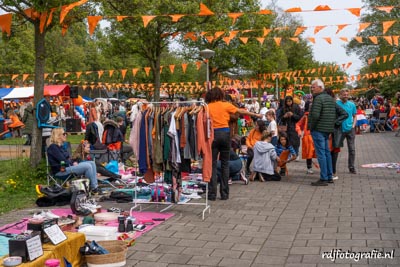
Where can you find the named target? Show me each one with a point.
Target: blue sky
(323, 51)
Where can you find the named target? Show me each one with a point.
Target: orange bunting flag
(322, 8)
(260, 40)
(294, 39)
(391, 57)
(45, 76)
(14, 76)
(210, 39)
(5, 23)
(218, 34)
(227, 40)
(395, 71)
(388, 72)
(100, 73)
(384, 59)
(299, 30)
(318, 29)
(349, 64)
(266, 32)
(176, 18)
(396, 40)
(110, 73)
(377, 59)
(234, 16)
(232, 34)
(363, 26)
(387, 24)
(388, 39)
(66, 74)
(121, 18)
(78, 74)
(340, 27)
(359, 39)
(93, 21)
(373, 39)
(344, 39)
(204, 11)
(278, 41)
(66, 9)
(294, 9)
(184, 67)
(43, 17)
(161, 68)
(64, 29)
(172, 68)
(147, 19)
(328, 40)
(311, 39)
(123, 73)
(50, 19)
(198, 64)
(355, 11)
(24, 77)
(265, 12)
(244, 39)
(386, 9)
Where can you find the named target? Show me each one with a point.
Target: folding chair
(54, 178)
(284, 157)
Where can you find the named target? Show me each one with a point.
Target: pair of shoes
(353, 171)
(319, 183)
(225, 198)
(335, 177)
(260, 177)
(310, 171)
(45, 215)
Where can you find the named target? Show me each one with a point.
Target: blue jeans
(321, 144)
(87, 168)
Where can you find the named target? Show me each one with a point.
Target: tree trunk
(36, 145)
(157, 80)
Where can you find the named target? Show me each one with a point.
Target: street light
(277, 85)
(207, 54)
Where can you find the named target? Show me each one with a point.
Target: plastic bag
(112, 166)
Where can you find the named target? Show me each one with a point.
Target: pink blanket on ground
(18, 227)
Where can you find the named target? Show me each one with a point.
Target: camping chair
(380, 123)
(284, 157)
(43, 112)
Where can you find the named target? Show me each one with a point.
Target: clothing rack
(138, 203)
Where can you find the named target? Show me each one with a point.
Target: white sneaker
(51, 215)
(310, 171)
(335, 177)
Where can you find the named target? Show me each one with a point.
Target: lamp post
(277, 86)
(207, 54)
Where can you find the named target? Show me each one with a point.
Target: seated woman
(252, 138)
(235, 168)
(82, 153)
(57, 154)
(265, 159)
(285, 152)
(13, 123)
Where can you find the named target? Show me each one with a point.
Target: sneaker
(97, 191)
(335, 177)
(353, 171)
(319, 183)
(310, 171)
(330, 181)
(51, 215)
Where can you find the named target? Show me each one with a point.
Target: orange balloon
(77, 101)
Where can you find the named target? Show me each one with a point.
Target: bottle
(62, 169)
(129, 226)
(121, 225)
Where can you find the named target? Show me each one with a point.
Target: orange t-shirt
(219, 113)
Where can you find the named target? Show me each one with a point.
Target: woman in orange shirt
(14, 124)
(220, 114)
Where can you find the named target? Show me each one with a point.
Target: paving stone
(226, 253)
(205, 260)
(305, 250)
(264, 259)
(198, 251)
(175, 258)
(234, 262)
(246, 247)
(145, 256)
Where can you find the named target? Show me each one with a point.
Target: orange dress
(307, 144)
(15, 122)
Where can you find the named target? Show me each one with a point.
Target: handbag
(337, 138)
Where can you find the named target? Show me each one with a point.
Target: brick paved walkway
(287, 223)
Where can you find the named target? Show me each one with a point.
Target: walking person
(321, 121)
(219, 112)
(348, 127)
(27, 119)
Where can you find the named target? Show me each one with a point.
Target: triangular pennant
(323, 70)
(340, 27)
(388, 72)
(190, 35)
(198, 64)
(386, 9)
(43, 17)
(14, 76)
(209, 39)
(363, 26)
(355, 11)
(184, 67)
(110, 73)
(260, 40)
(344, 39)
(377, 59)
(78, 74)
(66, 9)
(328, 40)
(265, 12)
(176, 17)
(218, 34)
(266, 32)
(123, 73)
(294, 39)
(322, 8)
(204, 11)
(121, 18)
(50, 18)
(66, 74)
(387, 24)
(232, 34)
(382, 74)
(45, 76)
(93, 21)
(317, 29)
(311, 39)
(373, 39)
(24, 77)
(244, 39)
(299, 30)
(349, 64)
(64, 29)
(395, 71)
(234, 16)
(294, 9)
(359, 39)
(172, 68)
(278, 41)
(147, 19)
(388, 39)
(384, 59)
(227, 40)
(391, 57)
(100, 73)
(396, 40)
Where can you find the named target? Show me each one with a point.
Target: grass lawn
(73, 139)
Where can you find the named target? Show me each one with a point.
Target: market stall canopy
(56, 90)
(19, 93)
(5, 91)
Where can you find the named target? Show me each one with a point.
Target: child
(272, 128)
(265, 159)
(285, 152)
